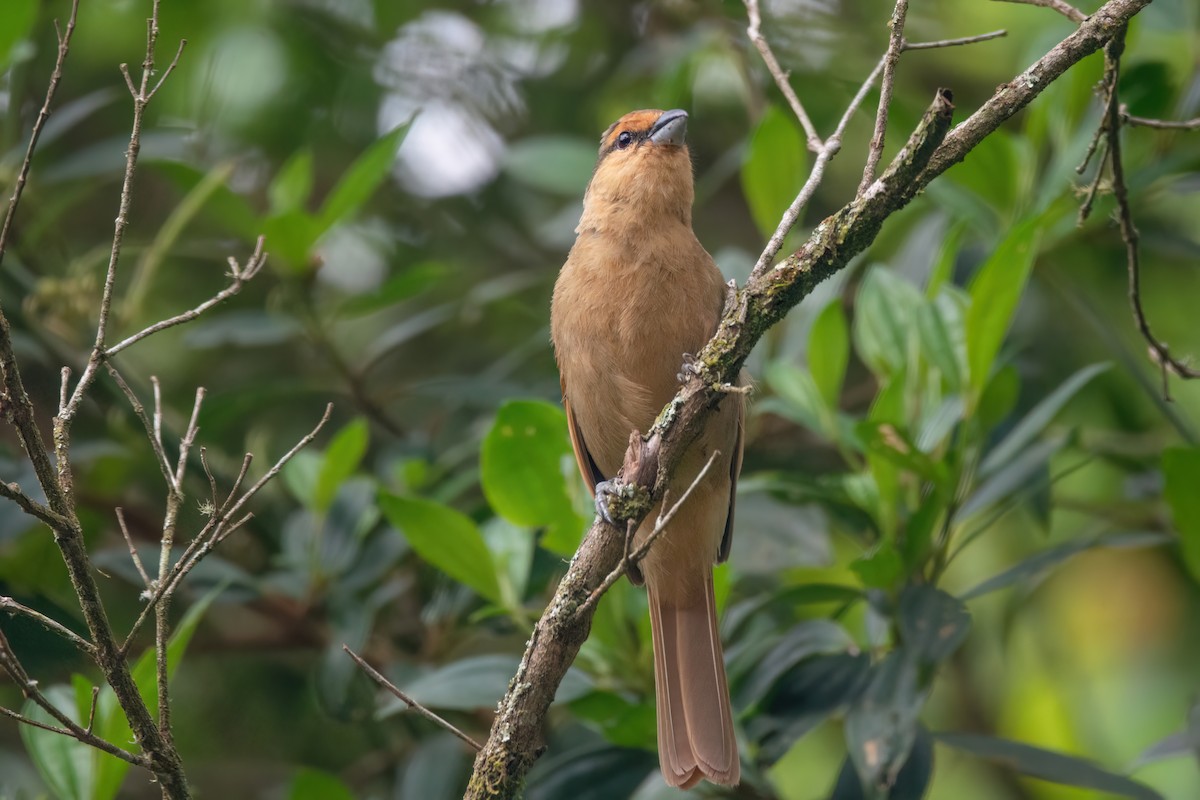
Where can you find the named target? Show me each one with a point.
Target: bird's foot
(605, 490)
(690, 368)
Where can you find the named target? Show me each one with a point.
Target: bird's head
(644, 173)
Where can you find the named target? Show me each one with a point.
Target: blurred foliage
(968, 536)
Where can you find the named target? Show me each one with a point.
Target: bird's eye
(624, 139)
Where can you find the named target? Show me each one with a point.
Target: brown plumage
(637, 292)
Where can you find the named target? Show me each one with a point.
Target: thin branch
(383, 682)
(895, 46)
(167, 72)
(1061, 6)
(12, 606)
(629, 559)
(983, 37)
(133, 553)
(754, 31)
(153, 429)
(1160, 124)
(64, 46)
(32, 507)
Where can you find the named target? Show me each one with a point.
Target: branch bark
(515, 739)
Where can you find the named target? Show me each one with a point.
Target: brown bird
(638, 292)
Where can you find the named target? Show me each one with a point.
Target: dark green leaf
(478, 682)
(1012, 476)
(524, 462)
(313, 784)
(999, 396)
(932, 623)
(773, 171)
(881, 726)
(591, 772)
(910, 783)
(829, 351)
(995, 292)
(1037, 419)
(1033, 569)
(445, 538)
(803, 641)
(1181, 470)
(1048, 765)
(805, 697)
(436, 770)
(342, 457)
(361, 180)
(560, 165)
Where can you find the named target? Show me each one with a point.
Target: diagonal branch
(895, 46)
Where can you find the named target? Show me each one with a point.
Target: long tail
(695, 725)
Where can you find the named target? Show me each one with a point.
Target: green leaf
(362, 179)
(938, 346)
(592, 771)
(1048, 765)
(910, 784)
(1037, 419)
(807, 639)
(884, 439)
(995, 293)
(290, 236)
(413, 279)
(773, 171)
(805, 697)
(797, 397)
(300, 476)
(342, 457)
(881, 726)
(522, 465)
(932, 623)
(999, 396)
(560, 165)
(435, 768)
(1033, 569)
(65, 764)
(445, 538)
(829, 351)
(313, 784)
(942, 272)
(1026, 469)
(884, 312)
(882, 568)
(293, 185)
(1181, 470)
(16, 21)
(111, 724)
(478, 682)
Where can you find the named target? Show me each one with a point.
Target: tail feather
(695, 723)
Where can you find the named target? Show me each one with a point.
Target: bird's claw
(690, 368)
(604, 491)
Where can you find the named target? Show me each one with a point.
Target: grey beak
(671, 128)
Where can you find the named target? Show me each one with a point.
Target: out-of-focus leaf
(478, 682)
(1181, 470)
(999, 396)
(290, 237)
(445, 538)
(561, 165)
(314, 784)
(829, 351)
(246, 328)
(1148, 89)
(521, 469)
(893, 444)
(910, 783)
(342, 457)
(995, 292)
(436, 770)
(884, 313)
(805, 640)
(998, 175)
(512, 547)
(300, 476)
(111, 724)
(410, 282)
(591, 772)
(229, 208)
(937, 345)
(773, 171)
(361, 180)
(65, 764)
(938, 425)
(293, 185)
(1033, 569)
(16, 20)
(932, 623)
(942, 272)
(797, 396)
(1017, 473)
(1037, 419)
(805, 697)
(1185, 742)
(623, 723)
(882, 568)
(881, 726)
(1048, 765)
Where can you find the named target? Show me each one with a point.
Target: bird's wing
(587, 465)
(735, 468)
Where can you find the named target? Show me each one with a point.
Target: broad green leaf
(300, 476)
(1033, 569)
(808, 639)
(290, 237)
(884, 312)
(591, 771)
(447, 539)
(910, 784)
(1181, 470)
(797, 397)
(478, 682)
(1048, 765)
(829, 351)
(342, 457)
(938, 346)
(882, 568)
(522, 462)
(1037, 419)
(293, 185)
(362, 179)
(774, 169)
(313, 784)
(16, 20)
(995, 293)
(932, 623)
(111, 724)
(65, 765)
(806, 696)
(624, 722)
(560, 165)
(881, 726)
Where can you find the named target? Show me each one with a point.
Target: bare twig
(11, 605)
(895, 46)
(983, 37)
(632, 559)
(153, 427)
(1061, 6)
(374, 675)
(754, 31)
(1160, 124)
(32, 507)
(133, 553)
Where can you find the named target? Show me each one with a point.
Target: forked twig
(895, 46)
